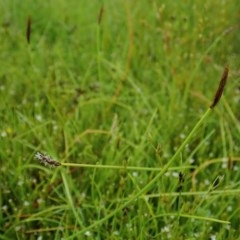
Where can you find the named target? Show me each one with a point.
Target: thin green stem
(194, 217)
(132, 168)
(200, 193)
(98, 52)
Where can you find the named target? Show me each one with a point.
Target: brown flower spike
(221, 86)
(28, 30)
(100, 15)
(45, 159)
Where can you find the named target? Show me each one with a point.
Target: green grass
(123, 104)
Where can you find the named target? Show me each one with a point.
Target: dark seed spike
(100, 15)
(28, 31)
(221, 86)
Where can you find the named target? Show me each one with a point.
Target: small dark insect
(180, 181)
(45, 159)
(179, 188)
(125, 211)
(181, 177)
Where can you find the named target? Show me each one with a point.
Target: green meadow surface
(112, 90)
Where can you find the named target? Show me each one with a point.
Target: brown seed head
(221, 86)
(100, 15)
(28, 30)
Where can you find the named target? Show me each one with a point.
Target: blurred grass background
(125, 91)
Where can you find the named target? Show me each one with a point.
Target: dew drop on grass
(167, 174)
(116, 233)
(235, 168)
(3, 134)
(36, 104)
(182, 135)
(165, 229)
(20, 183)
(224, 160)
(146, 198)
(229, 208)
(228, 226)
(83, 195)
(88, 233)
(169, 235)
(38, 117)
(3, 169)
(175, 174)
(5, 208)
(193, 220)
(213, 237)
(224, 165)
(40, 200)
(206, 143)
(211, 154)
(18, 228)
(26, 203)
(135, 174)
(197, 234)
(191, 161)
(206, 182)
(24, 101)
(34, 180)
(60, 228)
(6, 191)
(12, 92)
(166, 155)
(55, 127)
(236, 99)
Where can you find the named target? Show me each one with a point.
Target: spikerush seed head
(100, 15)
(47, 160)
(28, 30)
(221, 87)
